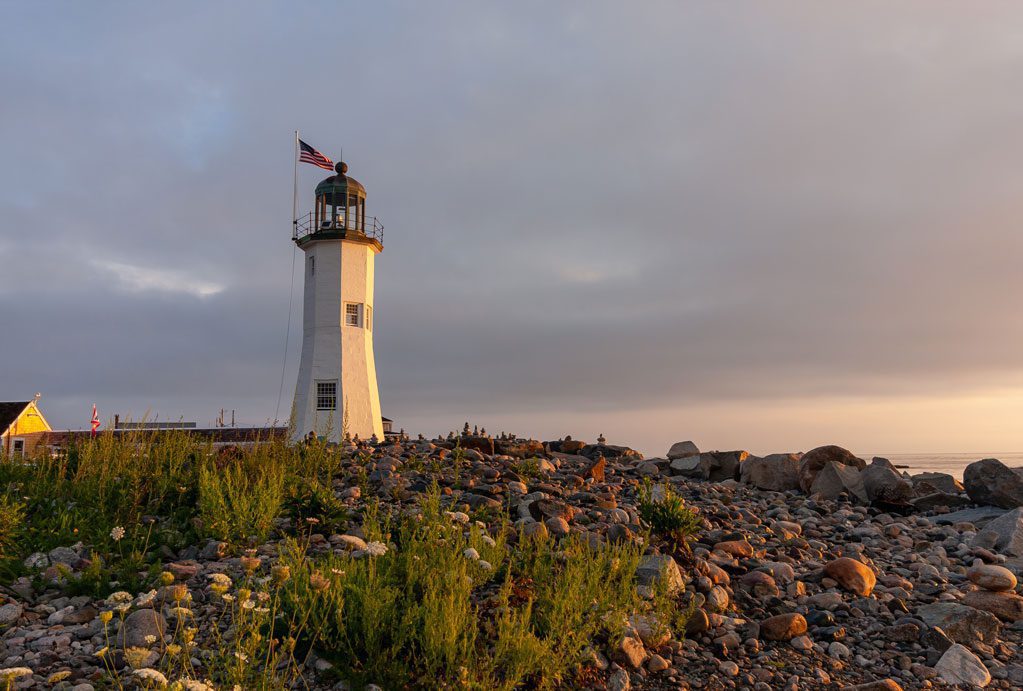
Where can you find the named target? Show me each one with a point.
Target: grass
(435, 603)
(501, 617)
(668, 516)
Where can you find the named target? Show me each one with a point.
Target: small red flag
(95, 420)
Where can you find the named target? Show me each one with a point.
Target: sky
(765, 226)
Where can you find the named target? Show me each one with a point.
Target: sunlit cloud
(138, 278)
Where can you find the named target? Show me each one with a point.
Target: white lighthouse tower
(337, 379)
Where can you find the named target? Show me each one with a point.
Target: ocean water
(951, 463)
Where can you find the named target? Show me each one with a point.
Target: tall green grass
(166, 489)
(427, 615)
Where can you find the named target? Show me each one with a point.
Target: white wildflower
(241, 656)
(486, 565)
(195, 685)
(118, 598)
(376, 549)
(150, 675)
(487, 540)
(248, 604)
(117, 533)
(220, 579)
(228, 597)
(145, 598)
(471, 553)
(150, 639)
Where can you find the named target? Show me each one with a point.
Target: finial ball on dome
(341, 167)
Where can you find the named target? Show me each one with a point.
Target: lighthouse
(336, 392)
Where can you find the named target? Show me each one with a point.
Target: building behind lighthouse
(336, 392)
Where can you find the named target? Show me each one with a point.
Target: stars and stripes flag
(95, 420)
(308, 154)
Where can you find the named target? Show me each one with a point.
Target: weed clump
(668, 516)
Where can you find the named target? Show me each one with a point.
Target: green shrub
(425, 615)
(309, 499)
(668, 516)
(240, 501)
(12, 519)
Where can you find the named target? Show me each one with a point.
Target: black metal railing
(368, 226)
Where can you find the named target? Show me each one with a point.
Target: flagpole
(294, 196)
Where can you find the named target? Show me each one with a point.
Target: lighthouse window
(326, 395)
(353, 314)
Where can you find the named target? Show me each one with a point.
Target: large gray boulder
(959, 666)
(992, 482)
(815, 460)
(653, 568)
(836, 478)
(963, 624)
(882, 483)
(141, 627)
(689, 466)
(1004, 534)
(929, 483)
(681, 449)
(778, 472)
(718, 466)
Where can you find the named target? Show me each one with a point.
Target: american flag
(311, 155)
(95, 420)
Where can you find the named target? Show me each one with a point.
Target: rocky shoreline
(813, 570)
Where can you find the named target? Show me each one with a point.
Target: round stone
(992, 577)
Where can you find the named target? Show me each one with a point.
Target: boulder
(1005, 534)
(736, 548)
(682, 449)
(1005, 606)
(882, 483)
(653, 567)
(992, 577)
(928, 483)
(718, 466)
(978, 516)
(687, 467)
(592, 451)
(929, 502)
(959, 666)
(963, 624)
(778, 472)
(852, 575)
(10, 613)
(783, 627)
(631, 652)
(815, 460)
(835, 479)
(139, 626)
(477, 443)
(992, 482)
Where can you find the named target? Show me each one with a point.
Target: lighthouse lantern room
(336, 391)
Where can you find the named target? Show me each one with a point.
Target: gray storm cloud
(587, 206)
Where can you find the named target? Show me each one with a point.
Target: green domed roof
(341, 186)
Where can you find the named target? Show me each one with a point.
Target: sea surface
(951, 463)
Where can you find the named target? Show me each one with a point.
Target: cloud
(623, 213)
(137, 278)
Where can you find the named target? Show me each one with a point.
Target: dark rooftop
(9, 412)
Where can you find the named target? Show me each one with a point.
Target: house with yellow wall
(20, 424)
